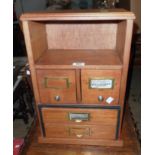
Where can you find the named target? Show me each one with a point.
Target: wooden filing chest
(79, 64)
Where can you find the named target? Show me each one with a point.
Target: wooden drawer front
(80, 116)
(57, 86)
(80, 131)
(100, 86)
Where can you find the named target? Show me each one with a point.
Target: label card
(101, 83)
(78, 64)
(109, 100)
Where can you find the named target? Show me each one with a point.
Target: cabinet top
(90, 14)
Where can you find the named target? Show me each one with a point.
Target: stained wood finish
(96, 116)
(76, 15)
(31, 59)
(90, 95)
(99, 38)
(94, 59)
(131, 145)
(38, 39)
(91, 34)
(54, 83)
(121, 32)
(126, 58)
(80, 131)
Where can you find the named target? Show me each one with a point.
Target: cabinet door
(56, 86)
(100, 86)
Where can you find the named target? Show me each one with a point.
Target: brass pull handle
(100, 98)
(57, 98)
(78, 120)
(79, 135)
(79, 132)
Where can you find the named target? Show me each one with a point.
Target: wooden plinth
(81, 141)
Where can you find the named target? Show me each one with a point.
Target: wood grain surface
(95, 59)
(97, 116)
(101, 40)
(84, 35)
(70, 131)
(60, 83)
(76, 15)
(91, 95)
(131, 145)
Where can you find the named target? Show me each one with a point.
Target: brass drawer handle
(78, 120)
(79, 132)
(79, 136)
(100, 98)
(57, 98)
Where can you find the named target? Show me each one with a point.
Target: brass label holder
(101, 83)
(46, 80)
(78, 117)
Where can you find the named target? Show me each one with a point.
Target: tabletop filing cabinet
(79, 64)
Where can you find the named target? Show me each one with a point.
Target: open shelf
(100, 59)
(98, 44)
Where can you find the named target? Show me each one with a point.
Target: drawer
(80, 116)
(80, 131)
(56, 86)
(100, 86)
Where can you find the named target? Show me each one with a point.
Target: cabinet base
(99, 142)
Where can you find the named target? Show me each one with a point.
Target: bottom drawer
(80, 131)
(80, 121)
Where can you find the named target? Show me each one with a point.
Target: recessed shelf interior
(88, 57)
(96, 43)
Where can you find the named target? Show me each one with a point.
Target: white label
(101, 84)
(109, 100)
(78, 64)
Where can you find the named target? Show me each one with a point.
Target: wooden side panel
(126, 58)
(90, 95)
(81, 36)
(27, 34)
(31, 57)
(60, 83)
(96, 116)
(120, 43)
(80, 131)
(38, 39)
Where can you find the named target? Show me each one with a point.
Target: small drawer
(56, 86)
(100, 86)
(80, 131)
(80, 116)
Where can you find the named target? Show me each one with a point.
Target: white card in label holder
(101, 83)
